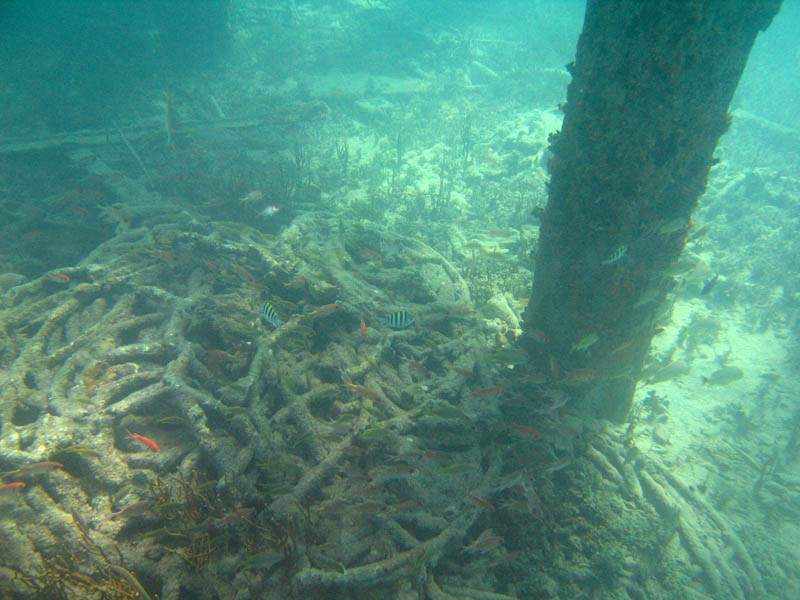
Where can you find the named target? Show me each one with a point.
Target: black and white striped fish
(398, 320)
(616, 255)
(269, 315)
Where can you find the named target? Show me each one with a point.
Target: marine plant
(81, 573)
(467, 142)
(441, 195)
(343, 156)
(185, 501)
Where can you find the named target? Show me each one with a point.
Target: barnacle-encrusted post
(647, 105)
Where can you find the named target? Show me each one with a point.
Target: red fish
(137, 508)
(352, 451)
(325, 310)
(486, 543)
(553, 367)
(40, 466)
(537, 335)
(238, 514)
(144, 441)
(496, 389)
(525, 430)
(578, 377)
(298, 283)
(534, 378)
(357, 388)
(481, 502)
(363, 327)
(92, 193)
(17, 485)
(368, 254)
(61, 276)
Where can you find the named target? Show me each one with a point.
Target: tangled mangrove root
(322, 457)
(705, 535)
(157, 334)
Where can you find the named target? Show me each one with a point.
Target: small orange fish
(297, 283)
(325, 310)
(171, 121)
(501, 232)
(92, 193)
(40, 466)
(525, 430)
(553, 367)
(17, 485)
(137, 508)
(436, 455)
(487, 542)
(578, 377)
(421, 370)
(368, 254)
(112, 213)
(481, 502)
(61, 276)
(534, 378)
(495, 389)
(242, 513)
(363, 327)
(144, 441)
(537, 335)
(622, 347)
(357, 388)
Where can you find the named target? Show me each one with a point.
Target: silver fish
(561, 463)
(390, 249)
(709, 285)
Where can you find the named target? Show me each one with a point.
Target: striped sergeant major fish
(398, 320)
(269, 315)
(616, 255)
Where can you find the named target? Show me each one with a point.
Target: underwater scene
(283, 288)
